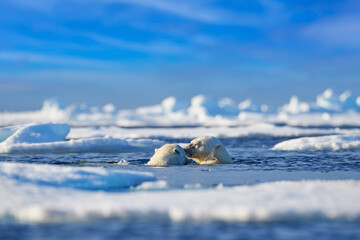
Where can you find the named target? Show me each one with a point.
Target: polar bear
(207, 150)
(168, 154)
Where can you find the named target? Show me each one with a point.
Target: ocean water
(255, 163)
(143, 229)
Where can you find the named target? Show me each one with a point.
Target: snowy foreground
(328, 110)
(27, 200)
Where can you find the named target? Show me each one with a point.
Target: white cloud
(205, 11)
(202, 11)
(162, 47)
(187, 9)
(341, 31)
(31, 57)
(63, 75)
(37, 5)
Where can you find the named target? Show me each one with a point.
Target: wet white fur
(168, 154)
(207, 150)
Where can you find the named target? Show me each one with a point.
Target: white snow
(254, 130)
(327, 100)
(200, 110)
(202, 107)
(103, 144)
(334, 143)
(6, 132)
(73, 177)
(295, 107)
(248, 106)
(50, 137)
(151, 186)
(273, 201)
(38, 133)
(54, 137)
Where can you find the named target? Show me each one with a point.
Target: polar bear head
(207, 150)
(169, 154)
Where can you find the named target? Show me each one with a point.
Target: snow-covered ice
(272, 201)
(73, 177)
(253, 130)
(59, 138)
(36, 133)
(151, 186)
(333, 143)
(50, 138)
(103, 144)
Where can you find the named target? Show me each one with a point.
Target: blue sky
(137, 52)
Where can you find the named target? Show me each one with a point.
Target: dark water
(249, 154)
(116, 229)
(254, 162)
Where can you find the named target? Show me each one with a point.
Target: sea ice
(50, 137)
(38, 133)
(334, 143)
(253, 130)
(6, 132)
(272, 201)
(151, 186)
(74, 177)
(103, 144)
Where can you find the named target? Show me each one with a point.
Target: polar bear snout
(194, 150)
(189, 150)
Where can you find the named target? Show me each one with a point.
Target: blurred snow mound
(265, 202)
(334, 143)
(37, 133)
(295, 106)
(201, 110)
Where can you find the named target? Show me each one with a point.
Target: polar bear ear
(175, 151)
(219, 146)
(156, 149)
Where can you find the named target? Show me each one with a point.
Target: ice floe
(50, 137)
(272, 201)
(151, 186)
(105, 144)
(254, 130)
(90, 178)
(38, 133)
(59, 138)
(334, 143)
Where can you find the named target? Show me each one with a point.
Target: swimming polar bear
(207, 150)
(168, 154)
